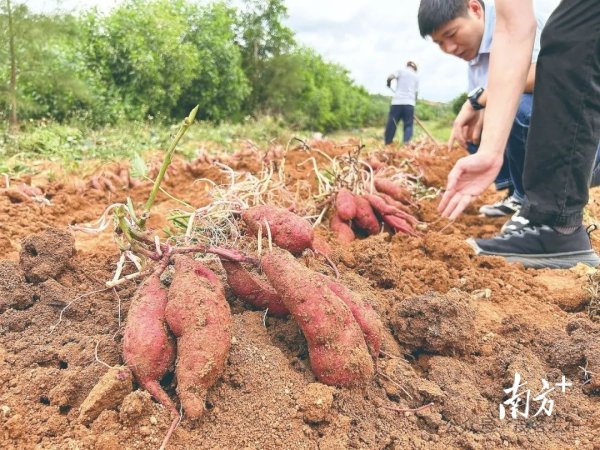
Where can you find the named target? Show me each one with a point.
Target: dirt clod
(108, 393)
(46, 254)
(443, 324)
(316, 402)
(14, 291)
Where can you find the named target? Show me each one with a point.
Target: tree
(261, 36)
(13, 121)
(220, 85)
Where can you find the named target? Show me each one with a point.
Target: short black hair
(435, 13)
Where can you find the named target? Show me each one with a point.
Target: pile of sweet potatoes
(365, 214)
(190, 324)
(343, 331)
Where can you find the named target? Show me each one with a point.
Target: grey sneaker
(506, 207)
(516, 222)
(539, 246)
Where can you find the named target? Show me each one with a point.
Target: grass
(72, 146)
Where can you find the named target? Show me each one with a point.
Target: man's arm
(510, 60)
(483, 99)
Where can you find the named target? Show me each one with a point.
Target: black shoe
(516, 222)
(539, 246)
(506, 207)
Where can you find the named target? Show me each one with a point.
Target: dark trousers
(404, 113)
(565, 123)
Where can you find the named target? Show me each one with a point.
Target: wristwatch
(474, 96)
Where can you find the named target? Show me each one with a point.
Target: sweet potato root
(384, 209)
(288, 231)
(394, 190)
(398, 224)
(341, 230)
(252, 290)
(365, 217)
(364, 314)
(345, 205)
(148, 347)
(199, 316)
(338, 353)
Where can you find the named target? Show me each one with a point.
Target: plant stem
(163, 169)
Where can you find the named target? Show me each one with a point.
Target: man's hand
(469, 177)
(467, 126)
(389, 82)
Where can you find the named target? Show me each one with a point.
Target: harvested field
(456, 330)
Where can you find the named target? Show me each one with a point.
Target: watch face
(474, 91)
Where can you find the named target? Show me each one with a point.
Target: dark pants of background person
(406, 113)
(565, 124)
(511, 173)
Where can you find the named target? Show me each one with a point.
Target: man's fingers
(476, 134)
(451, 204)
(451, 140)
(445, 199)
(460, 207)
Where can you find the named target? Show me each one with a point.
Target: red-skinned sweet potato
(392, 189)
(338, 353)
(345, 205)
(364, 314)
(148, 347)
(365, 217)
(288, 230)
(199, 316)
(341, 230)
(252, 290)
(398, 224)
(384, 209)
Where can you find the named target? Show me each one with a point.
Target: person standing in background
(403, 103)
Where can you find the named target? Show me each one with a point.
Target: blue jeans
(397, 113)
(511, 173)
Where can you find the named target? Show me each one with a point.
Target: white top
(479, 66)
(407, 85)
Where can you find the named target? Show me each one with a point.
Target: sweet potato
(365, 217)
(252, 290)
(392, 189)
(199, 316)
(338, 353)
(342, 231)
(288, 231)
(364, 314)
(398, 224)
(384, 209)
(395, 203)
(148, 347)
(345, 205)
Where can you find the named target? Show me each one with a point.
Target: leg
(392, 123)
(565, 123)
(408, 116)
(596, 173)
(517, 141)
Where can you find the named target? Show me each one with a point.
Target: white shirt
(407, 85)
(479, 66)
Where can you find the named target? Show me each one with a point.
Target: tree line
(160, 58)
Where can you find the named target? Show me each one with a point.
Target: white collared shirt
(479, 66)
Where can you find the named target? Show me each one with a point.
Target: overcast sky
(371, 38)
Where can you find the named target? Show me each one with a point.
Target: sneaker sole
(545, 261)
(495, 212)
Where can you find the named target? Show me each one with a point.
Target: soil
(458, 328)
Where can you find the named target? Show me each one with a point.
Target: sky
(370, 38)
